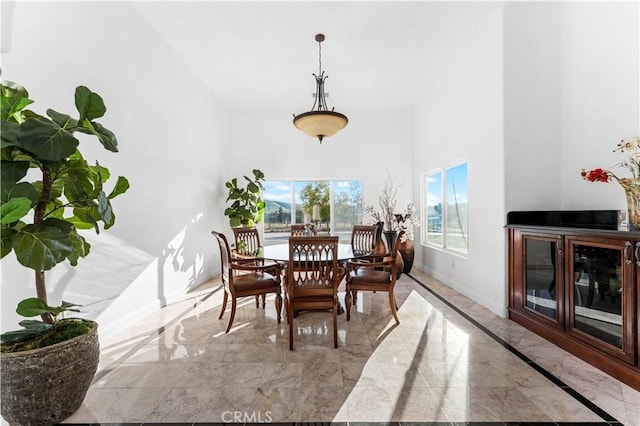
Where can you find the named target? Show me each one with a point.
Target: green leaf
(84, 215)
(79, 223)
(13, 102)
(89, 104)
(32, 307)
(63, 120)
(81, 248)
(109, 224)
(13, 171)
(106, 137)
(7, 235)
(41, 247)
(104, 207)
(35, 325)
(9, 133)
(14, 210)
(122, 185)
(252, 187)
(17, 336)
(11, 89)
(21, 190)
(46, 139)
(258, 174)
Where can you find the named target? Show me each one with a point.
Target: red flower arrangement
(633, 163)
(595, 175)
(630, 185)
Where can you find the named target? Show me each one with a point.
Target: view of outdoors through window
(446, 212)
(433, 209)
(333, 206)
(456, 229)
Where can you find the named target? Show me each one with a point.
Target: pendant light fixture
(320, 122)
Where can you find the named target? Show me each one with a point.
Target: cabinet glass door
(541, 286)
(598, 279)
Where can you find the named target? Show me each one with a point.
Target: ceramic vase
(406, 250)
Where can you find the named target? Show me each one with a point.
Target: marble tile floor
(437, 366)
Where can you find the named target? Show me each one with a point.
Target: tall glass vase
(632, 191)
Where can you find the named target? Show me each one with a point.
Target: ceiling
(261, 55)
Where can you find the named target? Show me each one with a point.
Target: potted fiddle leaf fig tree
(247, 204)
(50, 192)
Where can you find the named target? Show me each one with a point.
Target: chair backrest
(363, 239)
(299, 229)
(316, 266)
(225, 257)
(247, 240)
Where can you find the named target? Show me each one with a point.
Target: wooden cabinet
(578, 288)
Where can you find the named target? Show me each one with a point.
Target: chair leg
(335, 324)
(233, 313)
(278, 303)
(347, 301)
(290, 315)
(257, 301)
(224, 304)
(286, 308)
(264, 298)
(355, 296)
(394, 309)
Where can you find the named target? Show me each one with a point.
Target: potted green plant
(247, 204)
(49, 192)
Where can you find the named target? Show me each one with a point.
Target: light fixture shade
(320, 124)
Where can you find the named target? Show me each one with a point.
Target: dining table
(280, 252)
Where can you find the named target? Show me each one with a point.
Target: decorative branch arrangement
(394, 221)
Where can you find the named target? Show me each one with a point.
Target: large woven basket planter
(45, 386)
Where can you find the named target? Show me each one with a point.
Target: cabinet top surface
(585, 219)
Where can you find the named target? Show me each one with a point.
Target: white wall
(460, 119)
(171, 134)
(571, 94)
(600, 97)
(532, 105)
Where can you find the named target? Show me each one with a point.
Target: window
(333, 205)
(434, 209)
(445, 207)
(277, 209)
(347, 205)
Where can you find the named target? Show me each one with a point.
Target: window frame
(444, 172)
(332, 205)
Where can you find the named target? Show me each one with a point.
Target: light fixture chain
(319, 57)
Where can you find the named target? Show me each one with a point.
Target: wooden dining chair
(364, 239)
(241, 279)
(247, 247)
(247, 239)
(299, 229)
(313, 283)
(377, 274)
